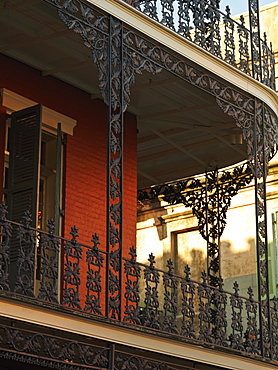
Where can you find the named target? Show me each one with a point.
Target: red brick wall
(130, 178)
(85, 152)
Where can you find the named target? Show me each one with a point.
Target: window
(189, 248)
(33, 173)
(33, 156)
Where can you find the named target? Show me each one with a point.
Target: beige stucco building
(172, 230)
(100, 98)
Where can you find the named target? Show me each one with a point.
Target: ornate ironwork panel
(274, 328)
(209, 199)
(219, 315)
(94, 260)
(236, 337)
(205, 294)
(150, 9)
(132, 297)
(184, 7)
(229, 39)
(244, 57)
(168, 13)
(255, 39)
(49, 261)
(27, 242)
(150, 314)
(170, 283)
(213, 38)
(272, 69)
(73, 256)
(141, 55)
(199, 13)
(158, 300)
(115, 168)
(251, 334)
(50, 351)
(188, 309)
(261, 157)
(128, 361)
(5, 237)
(199, 22)
(265, 62)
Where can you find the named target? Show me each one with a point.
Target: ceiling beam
(7, 7)
(175, 111)
(36, 40)
(233, 146)
(211, 130)
(151, 83)
(166, 151)
(150, 137)
(67, 67)
(180, 148)
(147, 176)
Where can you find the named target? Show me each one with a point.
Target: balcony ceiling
(181, 129)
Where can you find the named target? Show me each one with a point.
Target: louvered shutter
(24, 163)
(58, 179)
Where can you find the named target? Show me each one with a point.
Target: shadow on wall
(237, 260)
(161, 228)
(239, 264)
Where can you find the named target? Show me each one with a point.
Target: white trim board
(50, 118)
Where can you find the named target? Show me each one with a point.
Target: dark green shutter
(24, 163)
(58, 179)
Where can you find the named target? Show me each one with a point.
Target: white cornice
(50, 118)
(188, 49)
(125, 336)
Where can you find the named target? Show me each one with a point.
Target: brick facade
(85, 154)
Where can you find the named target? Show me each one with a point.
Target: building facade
(99, 99)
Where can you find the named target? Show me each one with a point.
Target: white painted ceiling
(181, 129)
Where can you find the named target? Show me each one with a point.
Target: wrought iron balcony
(204, 24)
(149, 298)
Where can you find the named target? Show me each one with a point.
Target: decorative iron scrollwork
(132, 296)
(167, 12)
(94, 260)
(199, 20)
(139, 363)
(157, 300)
(219, 315)
(255, 39)
(229, 39)
(141, 55)
(262, 153)
(209, 199)
(5, 237)
(236, 337)
(150, 314)
(56, 352)
(170, 283)
(184, 18)
(205, 294)
(251, 334)
(115, 134)
(73, 256)
(26, 257)
(243, 34)
(274, 328)
(187, 309)
(50, 248)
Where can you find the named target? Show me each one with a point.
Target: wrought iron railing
(159, 301)
(202, 22)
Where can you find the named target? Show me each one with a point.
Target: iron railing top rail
(204, 24)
